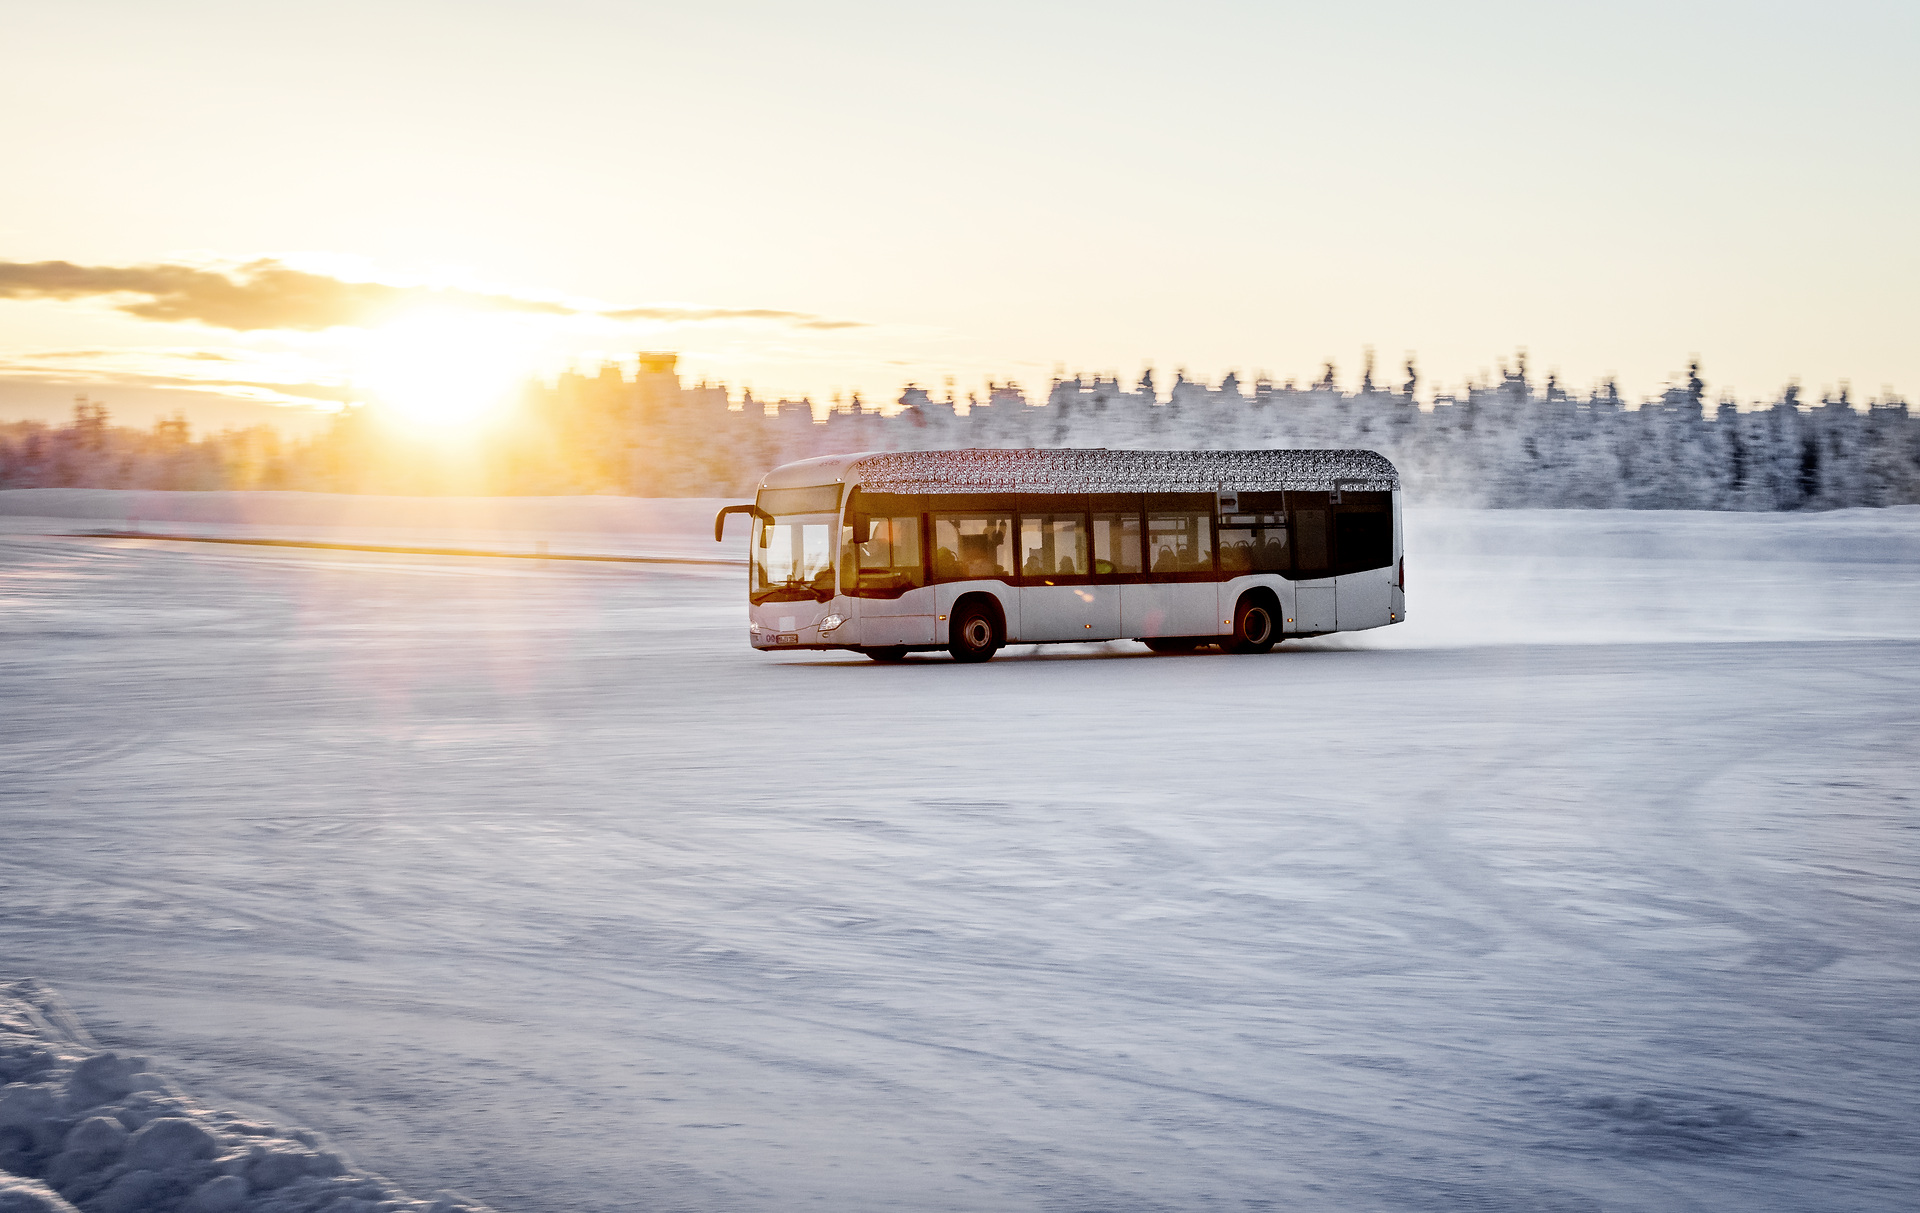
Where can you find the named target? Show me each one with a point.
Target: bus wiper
(804, 585)
(813, 589)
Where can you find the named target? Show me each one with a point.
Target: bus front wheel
(974, 634)
(1253, 627)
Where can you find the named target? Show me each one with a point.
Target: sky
(426, 202)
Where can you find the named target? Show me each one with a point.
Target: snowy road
(533, 881)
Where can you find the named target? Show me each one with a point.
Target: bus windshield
(793, 558)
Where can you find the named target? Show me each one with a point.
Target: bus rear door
(1058, 599)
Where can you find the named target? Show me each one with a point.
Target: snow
(83, 1126)
(1592, 886)
(616, 526)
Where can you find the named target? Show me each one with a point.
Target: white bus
(897, 552)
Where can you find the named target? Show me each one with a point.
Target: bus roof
(980, 470)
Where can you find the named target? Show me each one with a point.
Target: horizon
(211, 415)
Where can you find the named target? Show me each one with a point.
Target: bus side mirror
(862, 527)
(720, 520)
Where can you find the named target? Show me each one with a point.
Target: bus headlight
(829, 623)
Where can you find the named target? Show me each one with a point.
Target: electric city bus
(896, 552)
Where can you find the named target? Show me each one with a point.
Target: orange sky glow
(423, 205)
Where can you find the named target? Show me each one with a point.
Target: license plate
(787, 638)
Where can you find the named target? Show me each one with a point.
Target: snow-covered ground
(84, 1126)
(1593, 887)
(610, 526)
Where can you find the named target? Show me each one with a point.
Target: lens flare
(444, 370)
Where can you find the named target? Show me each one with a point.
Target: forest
(1507, 443)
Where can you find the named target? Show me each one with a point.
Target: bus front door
(887, 577)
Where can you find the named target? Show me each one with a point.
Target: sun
(443, 370)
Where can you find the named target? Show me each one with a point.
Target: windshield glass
(793, 558)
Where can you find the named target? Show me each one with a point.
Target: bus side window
(1053, 545)
(1253, 543)
(1116, 544)
(1310, 542)
(1270, 554)
(972, 545)
(1180, 542)
(1363, 541)
(1236, 549)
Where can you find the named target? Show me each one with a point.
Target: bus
(967, 551)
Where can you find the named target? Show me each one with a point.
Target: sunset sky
(425, 202)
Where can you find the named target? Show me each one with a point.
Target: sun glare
(452, 370)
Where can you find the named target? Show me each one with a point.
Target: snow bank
(586, 526)
(88, 1131)
(1862, 536)
(619, 515)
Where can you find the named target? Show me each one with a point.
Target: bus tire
(1173, 644)
(888, 653)
(974, 634)
(1255, 625)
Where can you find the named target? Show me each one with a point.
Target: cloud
(269, 294)
(21, 370)
(331, 392)
(689, 315)
(264, 294)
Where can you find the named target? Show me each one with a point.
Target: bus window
(1310, 542)
(1364, 541)
(1363, 531)
(1181, 542)
(792, 560)
(1116, 544)
(888, 564)
(1053, 545)
(1253, 543)
(972, 545)
(1272, 555)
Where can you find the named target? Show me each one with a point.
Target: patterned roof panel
(1100, 471)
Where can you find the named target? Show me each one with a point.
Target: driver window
(889, 562)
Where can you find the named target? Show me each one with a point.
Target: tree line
(1503, 444)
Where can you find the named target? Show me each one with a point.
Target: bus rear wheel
(974, 634)
(1253, 627)
(892, 652)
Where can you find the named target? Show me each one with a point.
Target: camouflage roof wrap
(1100, 471)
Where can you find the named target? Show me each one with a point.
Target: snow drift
(90, 1130)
